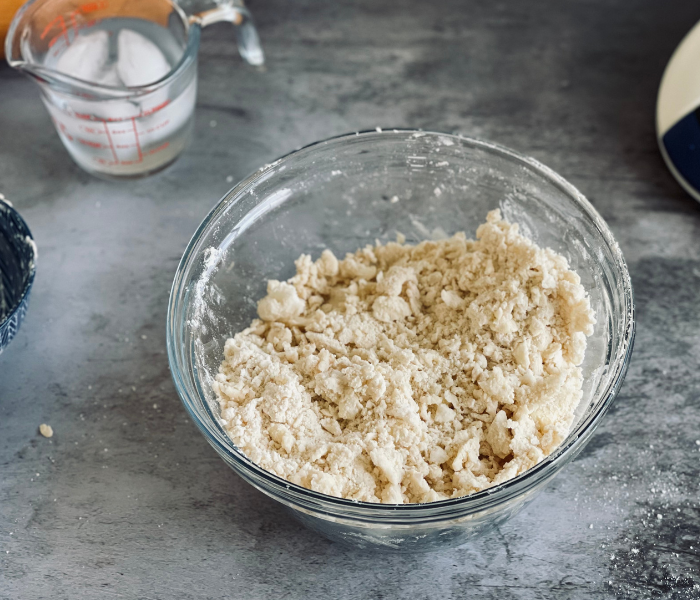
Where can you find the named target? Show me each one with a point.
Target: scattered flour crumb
(46, 430)
(410, 373)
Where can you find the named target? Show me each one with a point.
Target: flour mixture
(410, 373)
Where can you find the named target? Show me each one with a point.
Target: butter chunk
(281, 303)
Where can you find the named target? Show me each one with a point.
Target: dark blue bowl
(17, 268)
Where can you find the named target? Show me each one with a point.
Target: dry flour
(410, 373)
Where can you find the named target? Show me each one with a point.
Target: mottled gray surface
(128, 500)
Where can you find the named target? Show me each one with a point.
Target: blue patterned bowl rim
(24, 297)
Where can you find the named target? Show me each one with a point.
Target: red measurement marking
(155, 109)
(91, 130)
(74, 24)
(159, 126)
(91, 143)
(50, 26)
(159, 148)
(60, 21)
(148, 113)
(62, 128)
(130, 130)
(93, 6)
(136, 135)
(64, 31)
(109, 137)
(126, 163)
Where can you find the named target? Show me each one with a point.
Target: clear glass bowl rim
(308, 500)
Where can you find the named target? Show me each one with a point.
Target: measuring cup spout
(43, 75)
(23, 53)
(14, 44)
(235, 12)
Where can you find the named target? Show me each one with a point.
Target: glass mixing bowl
(342, 194)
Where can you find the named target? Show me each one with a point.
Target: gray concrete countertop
(127, 500)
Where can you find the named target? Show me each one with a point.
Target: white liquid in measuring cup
(122, 136)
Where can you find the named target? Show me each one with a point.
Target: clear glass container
(342, 194)
(119, 79)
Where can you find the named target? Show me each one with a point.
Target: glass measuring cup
(119, 77)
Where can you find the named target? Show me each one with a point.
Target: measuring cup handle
(234, 11)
